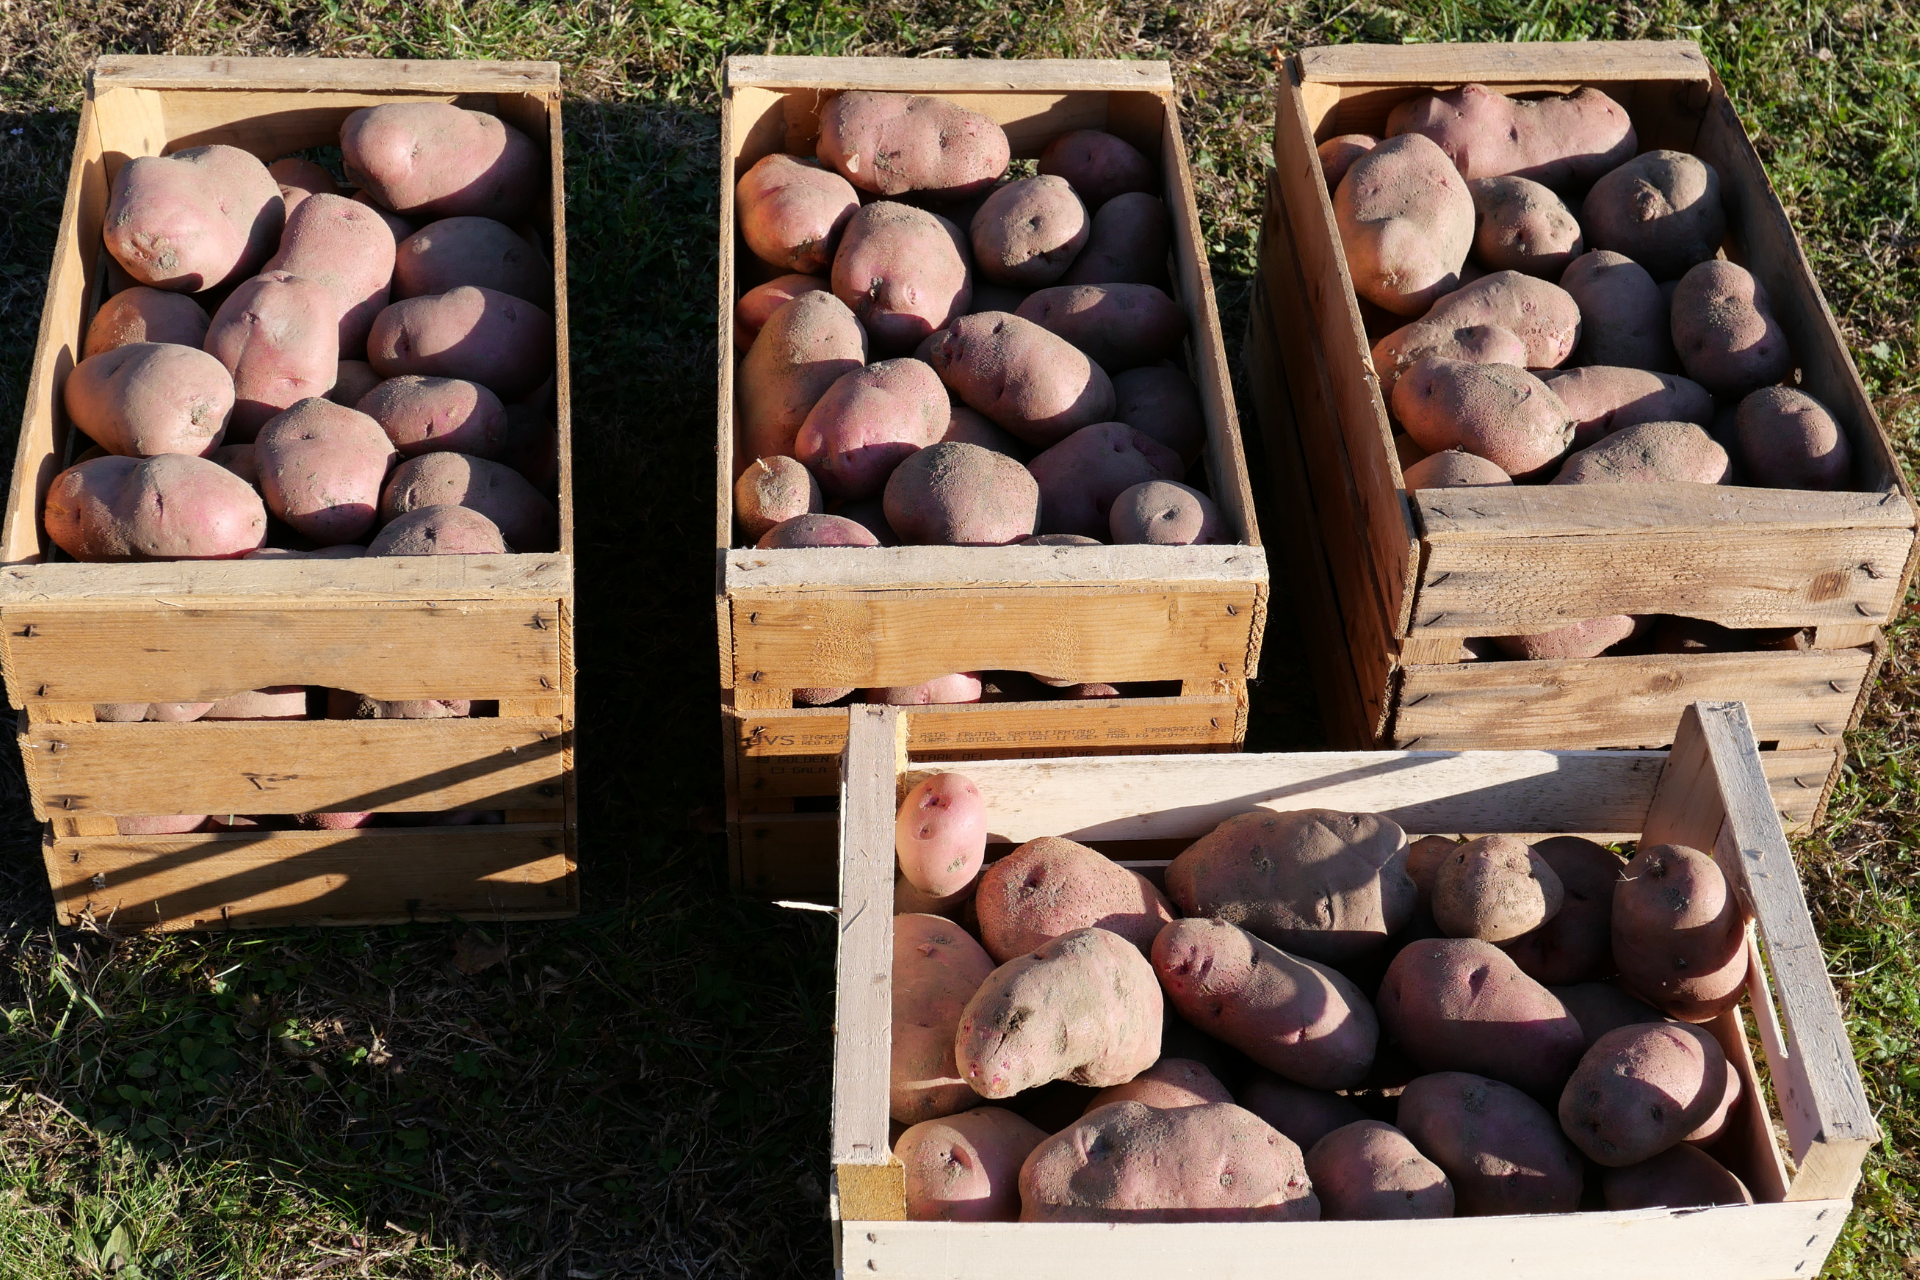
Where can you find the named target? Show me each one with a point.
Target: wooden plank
(1451, 516)
(420, 766)
(313, 877)
(951, 76)
(162, 583)
(863, 964)
(1748, 1147)
(464, 649)
(826, 570)
(1576, 62)
(1845, 635)
(996, 726)
(786, 855)
(385, 75)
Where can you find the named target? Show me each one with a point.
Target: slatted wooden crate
(1414, 572)
(480, 627)
(866, 618)
(1709, 792)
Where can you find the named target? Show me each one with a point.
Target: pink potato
(169, 507)
(194, 220)
(1623, 312)
(757, 304)
(524, 516)
(1170, 1082)
(1161, 402)
(814, 529)
(1127, 244)
(893, 143)
(940, 835)
(160, 712)
(1576, 944)
(352, 380)
(1499, 412)
(299, 179)
(1369, 1172)
(400, 227)
(1099, 166)
(804, 347)
(772, 491)
(903, 272)
(962, 686)
(151, 397)
(1119, 326)
(321, 467)
(937, 969)
(1304, 1115)
(1394, 354)
(1679, 1178)
(963, 495)
(426, 415)
(1460, 1004)
(144, 314)
(1604, 399)
(335, 821)
(1034, 383)
(966, 1167)
(502, 342)
(1298, 1019)
(167, 825)
(241, 459)
(1540, 313)
(1081, 477)
(1725, 331)
(1495, 888)
(1641, 1090)
(1337, 155)
(279, 336)
(1052, 886)
(970, 426)
(1588, 639)
(1502, 1151)
(1028, 232)
(1788, 440)
(1453, 469)
(1650, 453)
(1128, 1162)
(1523, 227)
(439, 531)
(427, 160)
(277, 702)
(869, 422)
(444, 255)
(1661, 208)
(1164, 513)
(343, 704)
(1563, 141)
(791, 212)
(344, 246)
(1406, 223)
(1679, 933)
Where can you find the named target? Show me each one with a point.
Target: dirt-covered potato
(869, 422)
(1540, 313)
(1083, 1007)
(169, 507)
(144, 314)
(1788, 440)
(400, 227)
(423, 415)
(345, 247)
(772, 490)
(791, 212)
(961, 495)
(343, 704)
(970, 426)
(1127, 243)
(194, 220)
(1679, 1178)
(299, 179)
(1576, 944)
(1460, 1004)
(428, 160)
(1338, 154)
(893, 143)
(761, 301)
(1725, 331)
(1394, 354)
(1601, 1007)
(1161, 401)
(1661, 208)
(1453, 469)
(1502, 1152)
(816, 530)
(1679, 934)
(1052, 886)
(1642, 1089)
(903, 272)
(321, 467)
(1499, 412)
(1034, 383)
(1129, 1162)
(1523, 227)
(1028, 232)
(1406, 223)
(1119, 326)
(1314, 882)
(527, 520)
(1623, 312)
(1495, 888)
(444, 530)
(1368, 1171)
(1170, 1082)
(279, 336)
(1649, 453)
(147, 398)
(1565, 141)
(966, 1167)
(1607, 398)
(804, 347)
(937, 968)
(444, 255)
(1166, 513)
(502, 342)
(1304, 1115)
(1081, 477)
(1099, 166)
(940, 834)
(1588, 639)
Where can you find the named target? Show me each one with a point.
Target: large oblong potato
(1641, 1090)
(1524, 226)
(791, 212)
(146, 314)
(321, 467)
(1119, 326)
(526, 519)
(1406, 223)
(194, 220)
(893, 143)
(804, 347)
(1498, 411)
(1539, 312)
(1368, 1171)
(1588, 638)
(151, 397)
(1563, 141)
(1604, 399)
(1622, 311)
(1725, 331)
(937, 968)
(1679, 933)
(1406, 346)
(1034, 383)
(903, 272)
(1502, 1151)
(169, 507)
(446, 254)
(428, 160)
(1081, 477)
(1650, 453)
(869, 422)
(1661, 208)
(966, 1167)
(1460, 1004)
(1052, 886)
(343, 245)
(279, 336)
(1028, 232)
(502, 342)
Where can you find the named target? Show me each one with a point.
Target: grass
(643, 1091)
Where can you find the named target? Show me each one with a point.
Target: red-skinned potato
(1051, 886)
(1725, 331)
(1495, 888)
(1119, 326)
(816, 530)
(772, 491)
(940, 834)
(1304, 1115)
(1576, 944)
(1650, 453)
(903, 272)
(1424, 857)
(343, 704)
(298, 179)
(400, 227)
(961, 686)
(1338, 154)
(1170, 1082)
(1459, 1004)
(893, 143)
(1161, 402)
(1129, 1162)
(161, 825)
(439, 531)
(1028, 232)
(1406, 223)
(1540, 313)
(524, 516)
(279, 336)
(1082, 476)
(145, 314)
(1165, 513)
(1369, 1172)
(444, 255)
(1502, 1152)
(169, 507)
(426, 415)
(961, 495)
(1099, 166)
(1564, 141)
(1394, 354)
(321, 467)
(193, 220)
(761, 301)
(1523, 227)
(428, 160)
(1788, 440)
(937, 969)
(1680, 1178)
(352, 380)
(1127, 244)
(1588, 639)
(502, 342)
(1661, 208)
(147, 398)
(970, 426)
(1453, 469)
(344, 246)
(1642, 1089)
(1623, 312)
(869, 422)
(1498, 411)
(1679, 935)
(791, 212)
(277, 702)
(966, 1167)
(804, 347)
(1604, 399)
(1034, 383)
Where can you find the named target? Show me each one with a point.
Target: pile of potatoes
(1309, 1017)
(1550, 306)
(281, 366)
(949, 355)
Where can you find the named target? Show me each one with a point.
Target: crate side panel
(787, 855)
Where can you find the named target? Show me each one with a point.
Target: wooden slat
(997, 726)
(386, 75)
(1578, 62)
(314, 877)
(1748, 1148)
(863, 1000)
(786, 855)
(1489, 514)
(164, 583)
(422, 766)
(949, 76)
(832, 569)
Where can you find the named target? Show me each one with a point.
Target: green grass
(644, 1091)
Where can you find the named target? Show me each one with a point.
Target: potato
(869, 422)
(352, 380)
(428, 415)
(1050, 887)
(1576, 944)
(241, 459)
(804, 347)
(1034, 383)
(1605, 398)
(502, 342)
(1028, 232)
(1649, 453)
(1127, 244)
(169, 507)
(937, 969)
(961, 495)
(1161, 402)
(162, 712)
(345, 247)
(1119, 326)
(966, 1167)
(970, 426)
(791, 212)
(1082, 1007)
(962, 686)
(430, 160)
(1499, 412)
(279, 336)
(1642, 1089)
(521, 512)
(444, 530)
(1623, 314)
(1081, 477)
(1099, 166)
(1788, 440)
(343, 704)
(1304, 1115)
(162, 825)
(277, 702)
(1316, 883)
(398, 225)
(1601, 1007)
(147, 398)
(1502, 1152)
(1394, 354)
(298, 179)
(1523, 227)
(940, 835)
(1540, 313)
(1678, 1178)
(1452, 469)
(870, 514)
(773, 490)
(1495, 888)
(1564, 141)
(1460, 1004)
(1424, 857)
(1168, 1083)
(760, 302)
(442, 256)
(1338, 154)
(1710, 1130)
(1588, 639)
(1406, 223)
(1296, 1018)
(1128, 1162)
(904, 273)
(1725, 331)
(1661, 208)
(893, 143)
(143, 314)
(1164, 513)
(321, 467)
(1679, 934)
(194, 220)
(1368, 1172)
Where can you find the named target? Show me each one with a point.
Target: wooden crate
(1708, 792)
(493, 628)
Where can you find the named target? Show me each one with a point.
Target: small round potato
(1051, 886)
(962, 495)
(1623, 313)
(1788, 440)
(1605, 398)
(966, 1167)
(1452, 469)
(1127, 244)
(940, 835)
(1368, 1172)
(527, 520)
(1725, 331)
(1661, 208)
(1495, 888)
(1098, 165)
(1523, 227)
(962, 686)
(1679, 933)
(761, 301)
(147, 398)
(1649, 453)
(1119, 326)
(1406, 222)
(1588, 639)
(792, 212)
(1499, 412)
(1028, 232)
(1161, 402)
(869, 422)
(1640, 1090)
(1168, 1083)
(816, 530)
(1338, 154)
(444, 255)
(144, 314)
(903, 272)
(1166, 513)
(321, 467)
(1081, 477)
(439, 531)
(772, 490)
(423, 415)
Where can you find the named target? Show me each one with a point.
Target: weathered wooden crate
(1414, 572)
(494, 628)
(1709, 792)
(865, 618)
